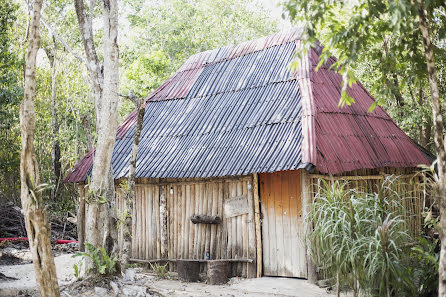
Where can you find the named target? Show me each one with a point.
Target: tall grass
(362, 240)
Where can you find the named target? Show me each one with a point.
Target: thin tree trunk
(55, 152)
(438, 139)
(32, 203)
(127, 231)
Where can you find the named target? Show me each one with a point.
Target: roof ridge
(225, 53)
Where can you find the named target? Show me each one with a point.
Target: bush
(362, 240)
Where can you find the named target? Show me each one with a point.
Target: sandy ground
(26, 280)
(260, 287)
(257, 287)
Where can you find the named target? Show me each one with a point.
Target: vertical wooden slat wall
(233, 238)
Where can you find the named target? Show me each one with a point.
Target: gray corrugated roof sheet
(240, 116)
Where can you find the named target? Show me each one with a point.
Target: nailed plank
(285, 179)
(236, 206)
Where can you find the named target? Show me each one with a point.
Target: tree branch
(60, 39)
(132, 98)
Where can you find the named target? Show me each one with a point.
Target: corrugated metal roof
(239, 110)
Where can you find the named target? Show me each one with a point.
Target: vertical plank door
(282, 224)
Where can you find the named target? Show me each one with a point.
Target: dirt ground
(20, 281)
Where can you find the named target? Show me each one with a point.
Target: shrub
(363, 241)
(103, 263)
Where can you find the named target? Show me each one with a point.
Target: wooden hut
(235, 134)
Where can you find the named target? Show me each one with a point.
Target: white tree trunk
(439, 139)
(105, 84)
(35, 218)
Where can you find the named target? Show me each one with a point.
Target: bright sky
(276, 12)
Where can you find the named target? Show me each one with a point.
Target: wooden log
(217, 273)
(205, 219)
(258, 232)
(163, 222)
(188, 270)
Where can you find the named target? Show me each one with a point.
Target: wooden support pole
(163, 222)
(251, 268)
(306, 202)
(81, 218)
(255, 192)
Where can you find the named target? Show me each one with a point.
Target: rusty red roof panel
(350, 137)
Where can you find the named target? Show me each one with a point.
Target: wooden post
(163, 222)
(306, 202)
(255, 192)
(251, 267)
(81, 218)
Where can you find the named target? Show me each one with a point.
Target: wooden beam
(255, 192)
(240, 260)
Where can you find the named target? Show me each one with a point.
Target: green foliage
(162, 271)
(364, 239)
(164, 34)
(77, 269)
(104, 264)
(11, 93)
(379, 42)
(422, 268)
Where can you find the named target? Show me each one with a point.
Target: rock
(100, 292)
(115, 288)
(130, 275)
(134, 291)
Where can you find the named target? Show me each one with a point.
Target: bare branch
(60, 39)
(132, 98)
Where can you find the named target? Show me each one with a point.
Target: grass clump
(363, 242)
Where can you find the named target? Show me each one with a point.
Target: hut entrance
(282, 224)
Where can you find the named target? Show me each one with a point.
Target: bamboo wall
(408, 185)
(232, 239)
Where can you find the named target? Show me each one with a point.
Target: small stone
(130, 275)
(134, 291)
(115, 288)
(100, 292)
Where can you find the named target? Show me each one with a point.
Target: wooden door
(282, 224)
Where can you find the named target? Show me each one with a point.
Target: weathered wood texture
(233, 238)
(281, 205)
